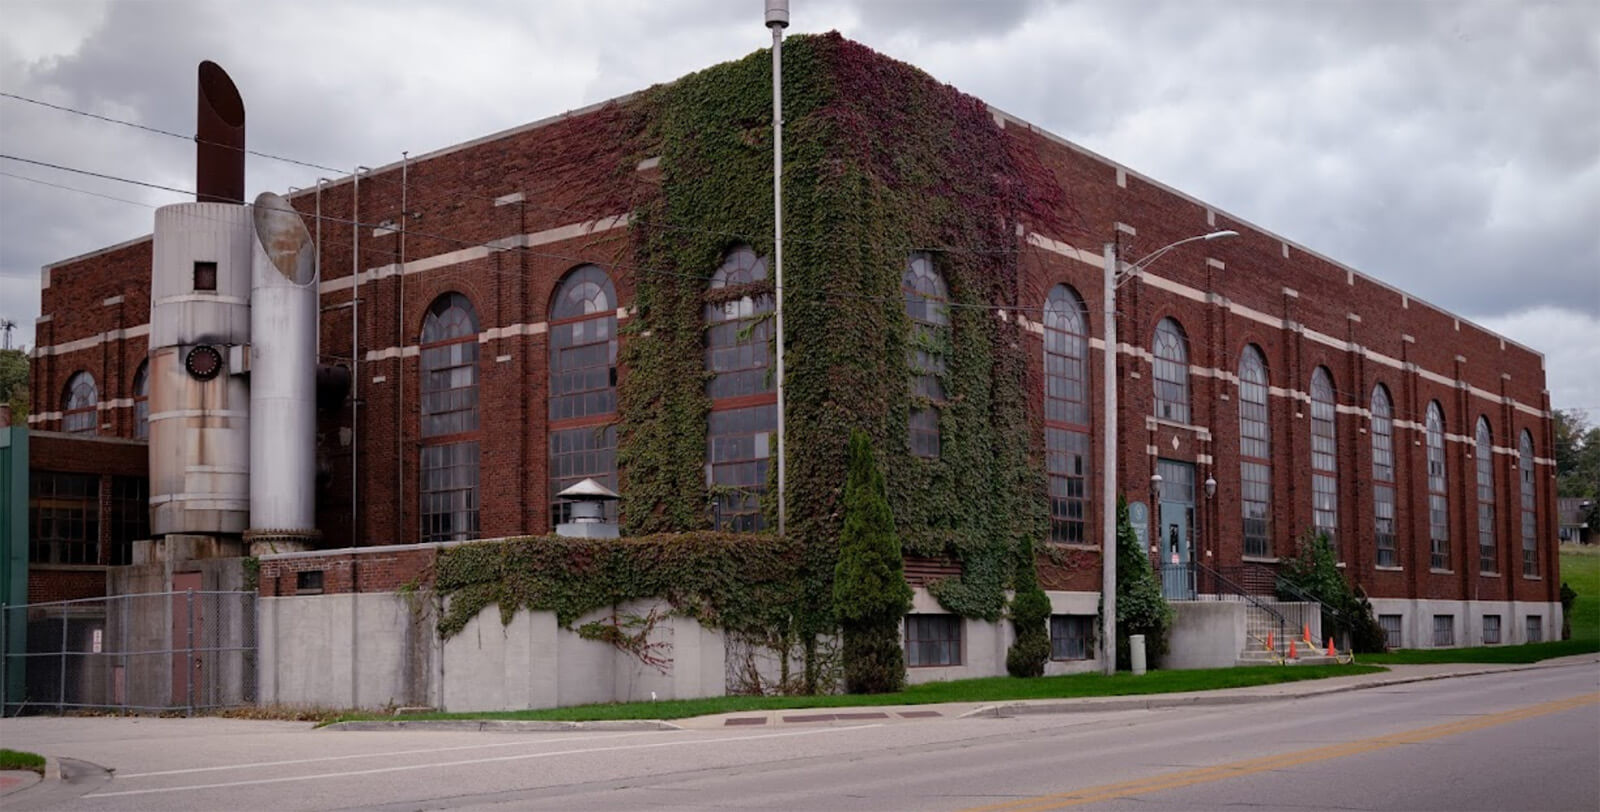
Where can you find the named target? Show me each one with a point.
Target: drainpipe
(400, 365)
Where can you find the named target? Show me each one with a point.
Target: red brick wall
(346, 571)
(564, 171)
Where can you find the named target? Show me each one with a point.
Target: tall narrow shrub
(1141, 608)
(870, 594)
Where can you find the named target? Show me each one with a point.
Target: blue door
(1175, 530)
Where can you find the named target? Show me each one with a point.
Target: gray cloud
(1451, 149)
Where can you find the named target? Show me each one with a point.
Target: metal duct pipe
(219, 137)
(283, 365)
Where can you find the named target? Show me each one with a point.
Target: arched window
(1438, 497)
(1488, 561)
(1066, 414)
(1383, 476)
(1255, 453)
(1171, 371)
(141, 401)
(1530, 532)
(744, 410)
(449, 418)
(928, 307)
(583, 386)
(1324, 457)
(80, 405)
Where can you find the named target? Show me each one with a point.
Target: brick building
(477, 292)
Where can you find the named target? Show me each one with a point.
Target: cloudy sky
(1449, 148)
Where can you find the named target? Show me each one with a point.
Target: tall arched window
(583, 386)
(141, 401)
(1066, 414)
(1438, 497)
(1488, 560)
(80, 405)
(1170, 371)
(1530, 531)
(744, 411)
(1383, 477)
(1324, 457)
(928, 307)
(449, 470)
(1255, 453)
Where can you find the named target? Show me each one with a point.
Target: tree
(870, 594)
(1314, 572)
(14, 384)
(1577, 454)
(1141, 608)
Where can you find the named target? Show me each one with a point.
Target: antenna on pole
(8, 325)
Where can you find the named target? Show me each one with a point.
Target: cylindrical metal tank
(199, 404)
(283, 366)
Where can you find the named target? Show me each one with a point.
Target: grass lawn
(18, 760)
(987, 689)
(1580, 567)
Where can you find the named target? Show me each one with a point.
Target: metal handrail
(1240, 591)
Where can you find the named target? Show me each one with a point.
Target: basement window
(1391, 630)
(308, 582)
(933, 640)
(1071, 637)
(1491, 630)
(1444, 631)
(1533, 629)
(205, 276)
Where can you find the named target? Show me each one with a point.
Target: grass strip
(19, 760)
(986, 689)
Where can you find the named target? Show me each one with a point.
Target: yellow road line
(1106, 792)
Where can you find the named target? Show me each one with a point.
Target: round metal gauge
(203, 362)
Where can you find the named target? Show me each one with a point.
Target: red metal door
(186, 625)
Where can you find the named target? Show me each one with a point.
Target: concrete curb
(504, 725)
(1312, 689)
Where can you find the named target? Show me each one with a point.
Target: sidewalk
(890, 714)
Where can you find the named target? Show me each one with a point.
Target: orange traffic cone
(1269, 641)
(1306, 633)
(1292, 654)
(1331, 651)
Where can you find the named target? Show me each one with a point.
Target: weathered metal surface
(283, 365)
(219, 138)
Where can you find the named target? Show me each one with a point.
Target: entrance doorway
(1176, 529)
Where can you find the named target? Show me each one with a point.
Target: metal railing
(1268, 617)
(150, 652)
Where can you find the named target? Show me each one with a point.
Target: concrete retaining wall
(1467, 620)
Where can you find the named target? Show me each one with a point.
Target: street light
(1108, 549)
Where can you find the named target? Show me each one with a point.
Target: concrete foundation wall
(347, 651)
(1206, 634)
(1467, 620)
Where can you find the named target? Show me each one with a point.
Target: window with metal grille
(1438, 498)
(1533, 629)
(586, 452)
(933, 640)
(80, 405)
(738, 328)
(583, 346)
(1392, 635)
(1383, 477)
(1444, 630)
(1491, 630)
(1255, 453)
(449, 357)
(1067, 458)
(130, 516)
(63, 518)
(448, 472)
(583, 386)
(1071, 637)
(928, 307)
(1488, 554)
(1530, 531)
(738, 449)
(744, 412)
(1170, 371)
(1324, 457)
(450, 492)
(308, 582)
(1066, 414)
(141, 401)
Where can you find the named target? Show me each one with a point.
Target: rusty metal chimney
(219, 138)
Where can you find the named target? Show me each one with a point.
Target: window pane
(1170, 370)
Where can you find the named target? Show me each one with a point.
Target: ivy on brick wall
(880, 161)
(740, 582)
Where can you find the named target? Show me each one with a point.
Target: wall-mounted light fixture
(1211, 486)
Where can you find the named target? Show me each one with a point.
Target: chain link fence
(152, 652)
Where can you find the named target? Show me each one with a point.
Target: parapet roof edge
(96, 252)
(1241, 221)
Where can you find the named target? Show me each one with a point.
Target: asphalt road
(1519, 740)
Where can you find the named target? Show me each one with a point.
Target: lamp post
(777, 15)
(1108, 548)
